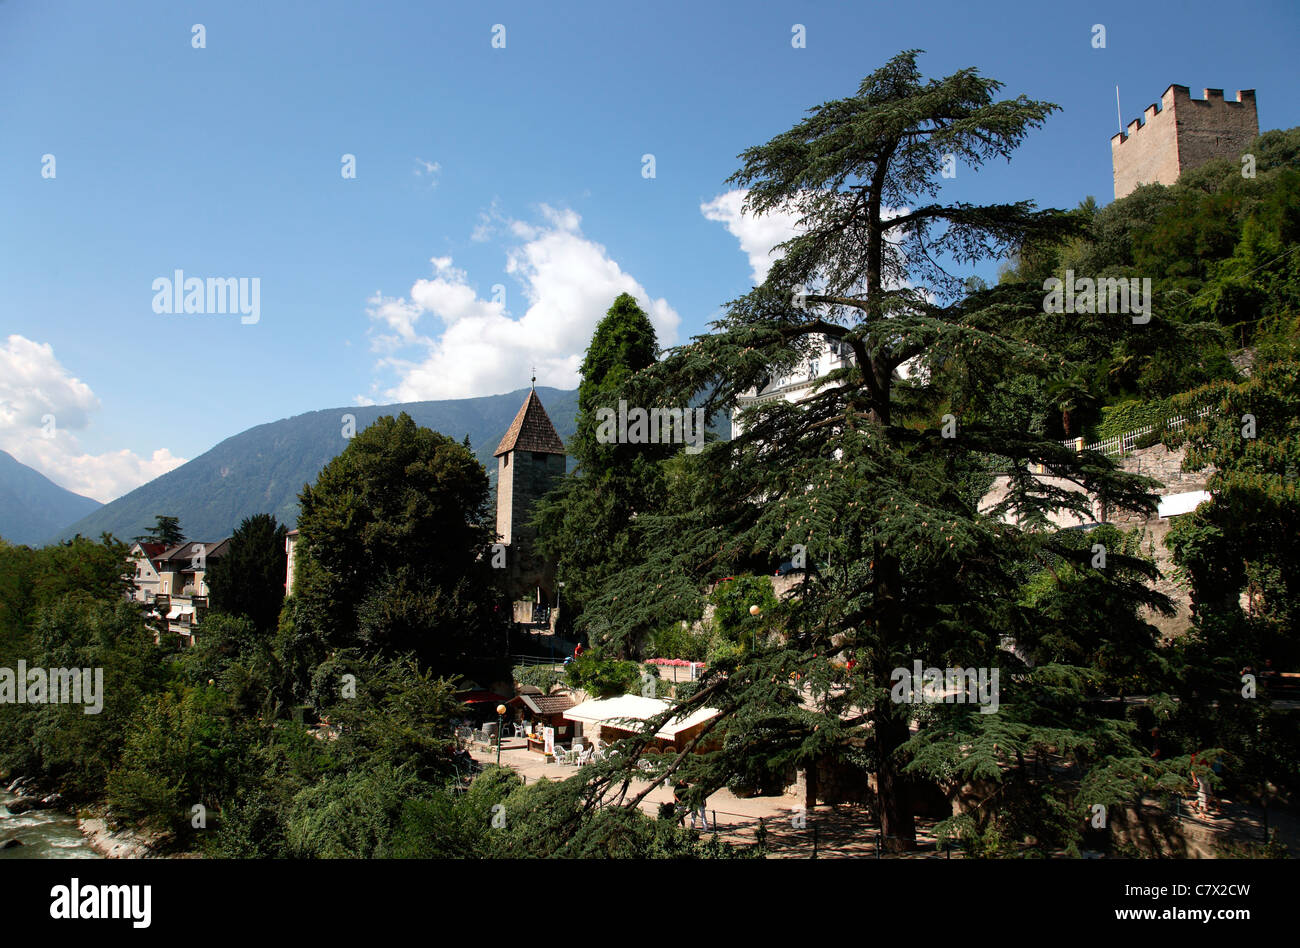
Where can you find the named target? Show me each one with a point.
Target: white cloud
(489, 222)
(478, 346)
(41, 405)
(428, 169)
(758, 235)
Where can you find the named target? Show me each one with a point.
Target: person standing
(701, 814)
(677, 810)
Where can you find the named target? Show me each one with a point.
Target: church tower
(530, 461)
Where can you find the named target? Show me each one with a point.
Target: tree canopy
(393, 537)
(587, 525)
(249, 579)
(864, 477)
(166, 530)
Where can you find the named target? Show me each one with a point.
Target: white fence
(1122, 444)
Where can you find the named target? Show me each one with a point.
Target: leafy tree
(603, 677)
(1243, 544)
(235, 654)
(249, 579)
(61, 743)
(181, 752)
(392, 538)
(255, 823)
(1240, 554)
(861, 472)
(33, 579)
(1260, 279)
(399, 715)
(350, 815)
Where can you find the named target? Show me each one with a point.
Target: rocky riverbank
(36, 825)
(119, 844)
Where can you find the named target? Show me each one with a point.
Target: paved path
(834, 831)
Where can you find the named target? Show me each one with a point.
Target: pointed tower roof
(531, 430)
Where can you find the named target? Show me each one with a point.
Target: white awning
(1172, 505)
(630, 712)
(174, 613)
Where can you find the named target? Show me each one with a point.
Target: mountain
(262, 470)
(32, 507)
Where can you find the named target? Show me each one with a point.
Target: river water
(45, 834)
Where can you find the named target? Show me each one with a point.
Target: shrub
(544, 677)
(602, 677)
(673, 641)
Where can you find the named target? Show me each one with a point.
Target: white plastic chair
(585, 757)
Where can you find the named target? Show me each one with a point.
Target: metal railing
(536, 660)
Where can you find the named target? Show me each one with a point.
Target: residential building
(829, 355)
(180, 591)
(141, 572)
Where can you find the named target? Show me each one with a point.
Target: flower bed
(678, 662)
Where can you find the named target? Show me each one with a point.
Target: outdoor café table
(536, 744)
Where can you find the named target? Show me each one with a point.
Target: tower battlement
(1179, 133)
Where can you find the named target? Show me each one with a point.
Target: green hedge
(1129, 416)
(544, 677)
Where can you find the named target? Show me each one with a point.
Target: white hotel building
(830, 355)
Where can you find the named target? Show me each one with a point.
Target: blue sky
(476, 167)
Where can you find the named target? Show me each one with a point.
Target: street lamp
(501, 711)
(755, 610)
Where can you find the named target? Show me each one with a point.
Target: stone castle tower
(1181, 133)
(530, 461)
